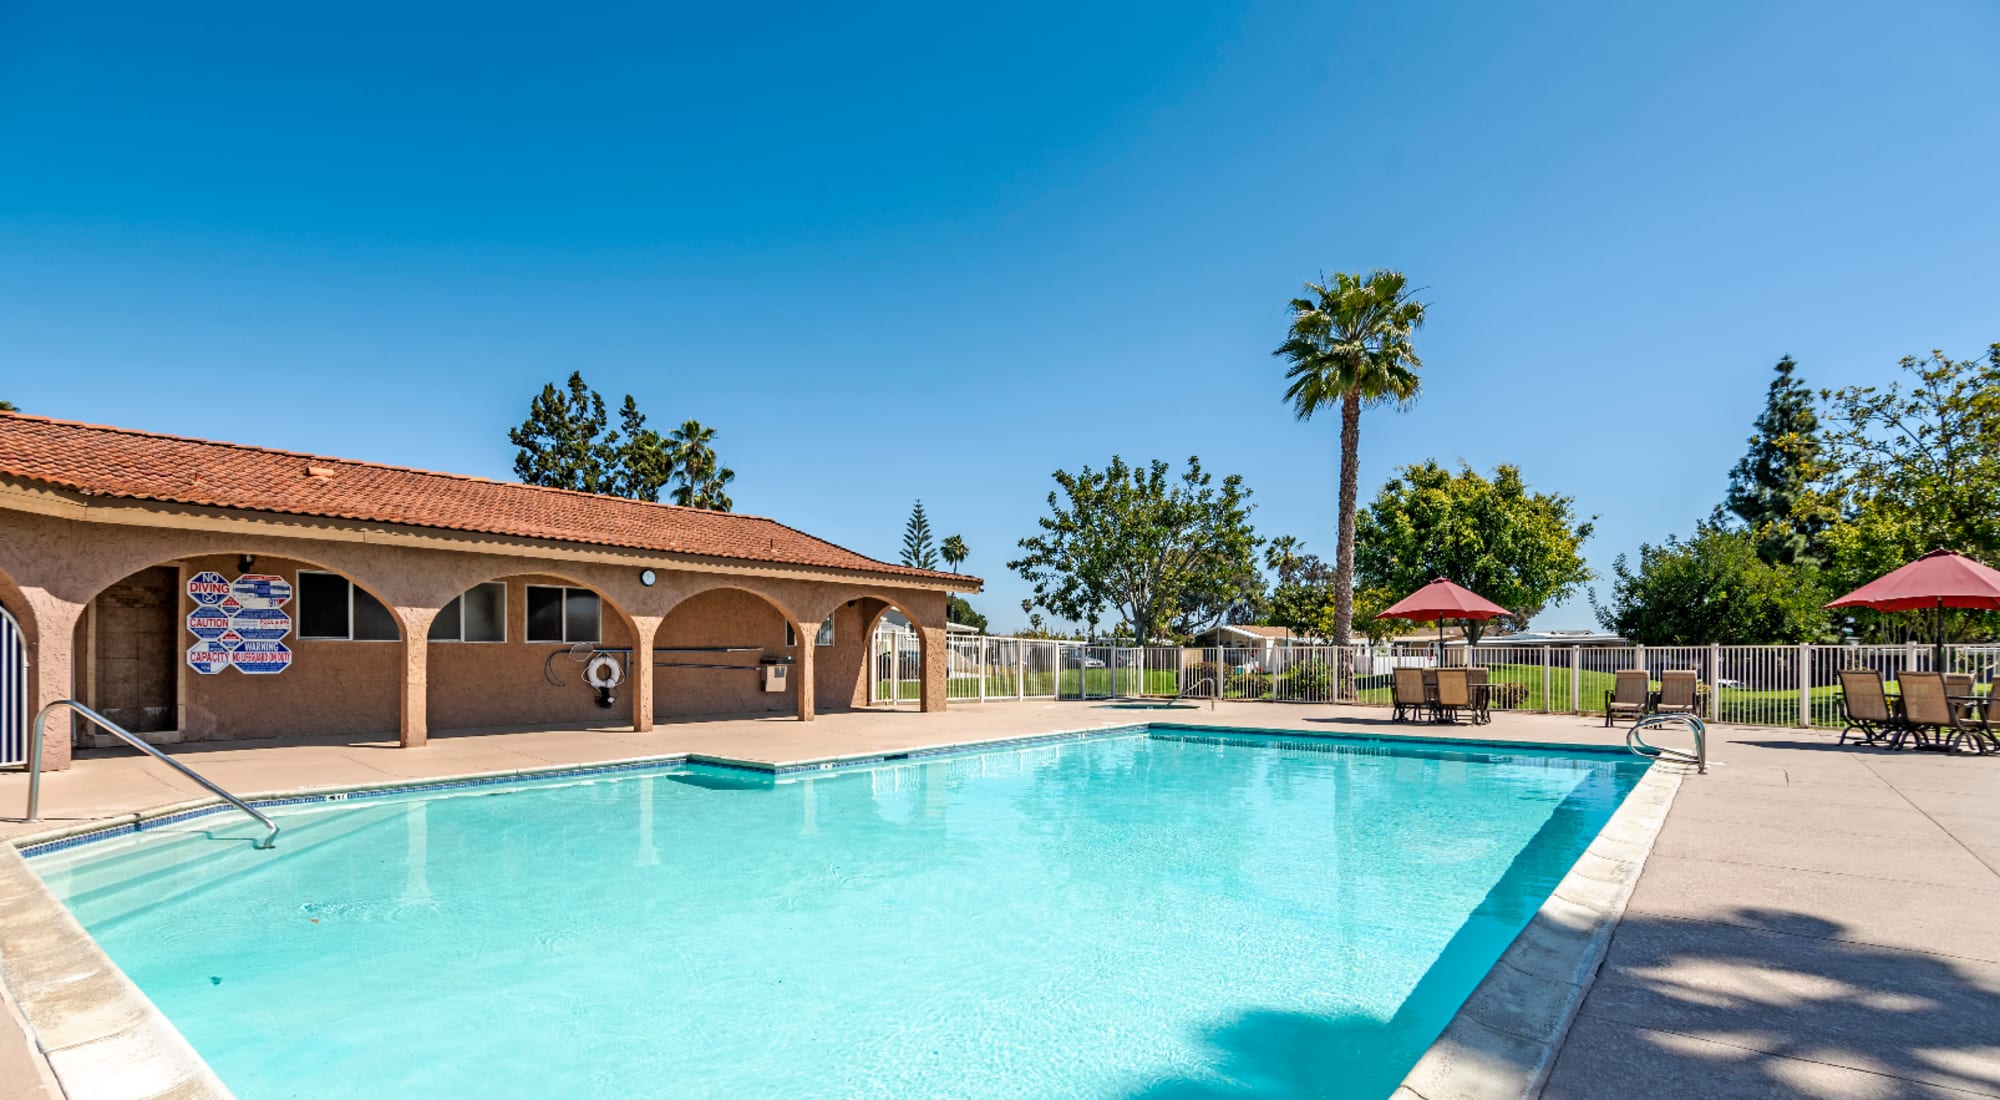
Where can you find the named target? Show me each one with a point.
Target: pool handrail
(120, 732)
(1640, 747)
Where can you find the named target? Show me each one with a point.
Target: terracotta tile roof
(118, 462)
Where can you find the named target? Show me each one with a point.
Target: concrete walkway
(1815, 920)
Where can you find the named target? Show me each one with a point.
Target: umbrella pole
(1938, 657)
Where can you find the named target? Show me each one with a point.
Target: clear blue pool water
(1153, 915)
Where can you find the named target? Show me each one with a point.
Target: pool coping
(101, 1036)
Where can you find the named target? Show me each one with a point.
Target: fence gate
(13, 691)
(897, 668)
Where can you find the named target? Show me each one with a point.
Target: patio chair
(1630, 695)
(1411, 699)
(1454, 693)
(1680, 692)
(1867, 707)
(1476, 680)
(1927, 711)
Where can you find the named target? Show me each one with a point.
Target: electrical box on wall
(776, 677)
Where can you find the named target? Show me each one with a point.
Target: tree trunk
(1343, 554)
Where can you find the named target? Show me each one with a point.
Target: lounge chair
(1631, 695)
(1680, 692)
(1411, 699)
(1927, 711)
(1454, 693)
(1867, 707)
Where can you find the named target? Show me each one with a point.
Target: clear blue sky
(934, 251)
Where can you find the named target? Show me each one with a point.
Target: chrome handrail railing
(1640, 747)
(120, 732)
(1188, 692)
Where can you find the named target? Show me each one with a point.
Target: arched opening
(711, 653)
(17, 691)
(892, 654)
(239, 645)
(500, 654)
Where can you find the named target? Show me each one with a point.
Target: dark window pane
(322, 605)
(581, 619)
(372, 621)
(545, 614)
(444, 628)
(486, 613)
(791, 636)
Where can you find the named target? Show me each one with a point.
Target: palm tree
(703, 482)
(954, 552)
(1349, 344)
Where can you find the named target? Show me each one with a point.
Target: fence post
(1576, 678)
(1548, 705)
(1805, 684)
(1714, 683)
(984, 649)
(1020, 670)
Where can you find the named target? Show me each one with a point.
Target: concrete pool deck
(1813, 919)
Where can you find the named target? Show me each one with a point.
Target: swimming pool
(1162, 912)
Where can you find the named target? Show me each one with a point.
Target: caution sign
(208, 588)
(261, 658)
(208, 658)
(207, 623)
(261, 591)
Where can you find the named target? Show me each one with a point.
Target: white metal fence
(1783, 685)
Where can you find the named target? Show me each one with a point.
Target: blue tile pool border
(1384, 744)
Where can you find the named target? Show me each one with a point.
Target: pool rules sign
(239, 624)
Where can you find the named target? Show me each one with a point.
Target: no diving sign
(238, 624)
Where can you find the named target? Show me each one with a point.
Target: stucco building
(196, 590)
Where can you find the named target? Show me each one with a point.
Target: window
(824, 637)
(563, 614)
(479, 615)
(331, 609)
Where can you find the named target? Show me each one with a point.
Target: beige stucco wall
(721, 617)
(57, 554)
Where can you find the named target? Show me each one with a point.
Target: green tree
(8, 407)
(1166, 553)
(564, 443)
(1778, 488)
(1349, 345)
(919, 552)
(1918, 469)
(1713, 588)
(703, 482)
(644, 459)
(1520, 549)
(959, 611)
(954, 552)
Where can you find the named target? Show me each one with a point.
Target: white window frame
(299, 619)
(565, 589)
(825, 631)
(505, 627)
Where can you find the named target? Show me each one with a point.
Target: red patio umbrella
(1939, 579)
(1441, 600)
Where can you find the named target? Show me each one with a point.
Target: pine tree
(1774, 489)
(564, 443)
(919, 552)
(645, 459)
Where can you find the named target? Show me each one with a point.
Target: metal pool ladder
(1635, 741)
(120, 732)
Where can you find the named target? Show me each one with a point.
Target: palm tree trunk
(1343, 554)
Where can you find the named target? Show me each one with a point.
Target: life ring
(603, 672)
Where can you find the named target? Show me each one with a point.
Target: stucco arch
(690, 680)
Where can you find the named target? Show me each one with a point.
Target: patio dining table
(1480, 694)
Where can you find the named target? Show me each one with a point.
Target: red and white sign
(261, 591)
(208, 658)
(208, 623)
(208, 588)
(261, 658)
